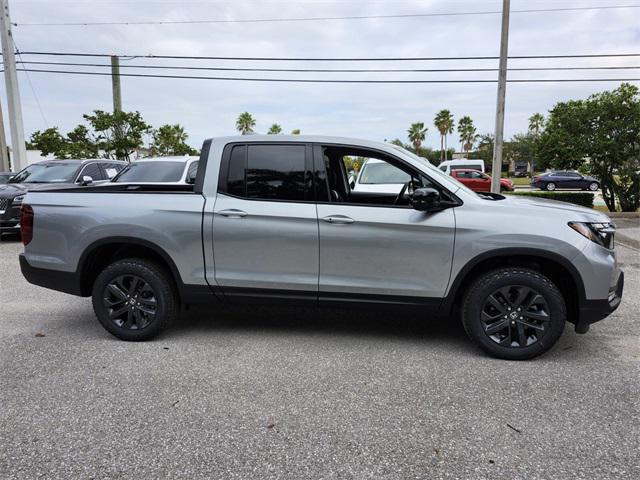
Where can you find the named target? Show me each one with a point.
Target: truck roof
(306, 139)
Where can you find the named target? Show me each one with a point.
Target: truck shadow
(331, 321)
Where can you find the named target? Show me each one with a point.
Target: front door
(379, 248)
(265, 229)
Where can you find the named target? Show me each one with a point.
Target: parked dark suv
(49, 175)
(555, 180)
(5, 177)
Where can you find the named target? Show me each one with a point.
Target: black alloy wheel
(135, 299)
(515, 316)
(130, 302)
(514, 313)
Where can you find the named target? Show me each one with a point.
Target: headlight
(600, 233)
(18, 199)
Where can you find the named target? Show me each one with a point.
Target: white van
(449, 165)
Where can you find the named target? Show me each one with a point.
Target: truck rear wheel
(514, 313)
(134, 299)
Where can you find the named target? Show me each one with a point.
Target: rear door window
(92, 170)
(276, 172)
(269, 172)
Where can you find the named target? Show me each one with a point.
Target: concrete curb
(623, 214)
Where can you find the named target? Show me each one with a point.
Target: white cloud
(209, 108)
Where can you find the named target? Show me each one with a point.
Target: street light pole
(19, 158)
(496, 170)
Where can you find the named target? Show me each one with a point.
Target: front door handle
(338, 219)
(232, 213)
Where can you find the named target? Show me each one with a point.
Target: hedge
(584, 199)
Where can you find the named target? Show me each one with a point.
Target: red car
(478, 181)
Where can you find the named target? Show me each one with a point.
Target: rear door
(265, 227)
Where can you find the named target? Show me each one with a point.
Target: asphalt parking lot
(284, 393)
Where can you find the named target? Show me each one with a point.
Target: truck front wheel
(514, 313)
(134, 299)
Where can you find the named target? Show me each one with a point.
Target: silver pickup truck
(273, 219)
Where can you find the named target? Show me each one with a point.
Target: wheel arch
(560, 270)
(104, 252)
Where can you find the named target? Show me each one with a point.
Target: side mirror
(86, 180)
(426, 200)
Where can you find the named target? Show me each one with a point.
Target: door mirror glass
(86, 180)
(426, 200)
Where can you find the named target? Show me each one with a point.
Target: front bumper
(591, 311)
(9, 217)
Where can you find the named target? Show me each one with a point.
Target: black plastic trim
(67, 282)
(198, 186)
(592, 311)
(448, 303)
(244, 295)
(188, 293)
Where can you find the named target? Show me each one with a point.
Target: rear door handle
(338, 219)
(232, 213)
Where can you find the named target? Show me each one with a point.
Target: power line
(338, 59)
(330, 70)
(33, 90)
(315, 19)
(314, 80)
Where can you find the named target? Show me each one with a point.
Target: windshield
(382, 173)
(149, 171)
(47, 173)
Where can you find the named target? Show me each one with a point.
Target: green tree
(467, 132)
(444, 123)
(49, 142)
(171, 140)
(245, 123)
(296, 131)
(274, 129)
(603, 134)
(118, 134)
(485, 148)
(78, 143)
(416, 134)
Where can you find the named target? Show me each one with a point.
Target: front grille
(4, 203)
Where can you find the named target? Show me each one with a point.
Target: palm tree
(444, 123)
(467, 132)
(536, 124)
(417, 133)
(245, 123)
(295, 131)
(274, 129)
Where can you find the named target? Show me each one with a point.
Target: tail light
(26, 224)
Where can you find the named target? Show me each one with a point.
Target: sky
(372, 111)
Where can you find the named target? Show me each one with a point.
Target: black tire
(498, 331)
(593, 187)
(135, 299)
(550, 187)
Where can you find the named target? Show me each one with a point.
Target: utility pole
(115, 83)
(4, 155)
(13, 92)
(496, 170)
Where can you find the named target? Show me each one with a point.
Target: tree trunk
(445, 147)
